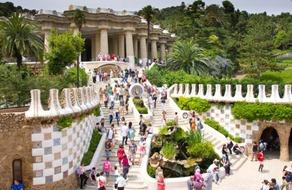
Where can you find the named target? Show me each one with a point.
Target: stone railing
(74, 100)
(197, 90)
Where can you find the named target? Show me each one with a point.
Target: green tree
(79, 20)
(63, 50)
(20, 38)
(148, 12)
(187, 55)
(70, 76)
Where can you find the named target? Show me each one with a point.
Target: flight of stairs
(134, 178)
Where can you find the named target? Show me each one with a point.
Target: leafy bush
(64, 122)
(262, 111)
(202, 150)
(163, 130)
(151, 171)
(169, 150)
(215, 125)
(70, 76)
(139, 104)
(194, 138)
(198, 104)
(96, 111)
(170, 123)
(179, 135)
(87, 157)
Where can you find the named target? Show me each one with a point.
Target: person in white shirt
(101, 182)
(121, 182)
(110, 133)
(124, 132)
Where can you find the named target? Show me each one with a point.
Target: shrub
(215, 125)
(70, 76)
(96, 111)
(262, 111)
(139, 104)
(197, 104)
(202, 150)
(64, 122)
(151, 171)
(194, 138)
(87, 157)
(170, 123)
(168, 150)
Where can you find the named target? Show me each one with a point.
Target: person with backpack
(132, 151)
(254, 151)
(101, 181)
(260, 157)
(262, 146)
(92, 174)
(110, 133)
(107, 166)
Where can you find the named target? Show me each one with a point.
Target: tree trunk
(18, 57)
(77, 67)
(148, 41)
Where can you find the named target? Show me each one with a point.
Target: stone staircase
(134, 180)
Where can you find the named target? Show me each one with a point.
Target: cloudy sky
(270, 6)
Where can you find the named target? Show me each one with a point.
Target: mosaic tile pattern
(242, 128)
(56, 154)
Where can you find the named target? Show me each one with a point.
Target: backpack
(289, 177)
(262, 146)
(106, 166)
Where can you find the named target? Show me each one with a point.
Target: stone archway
(283, 130)
(271, 137)
(108, 68)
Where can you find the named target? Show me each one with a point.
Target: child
(132, 150)
(107, 167)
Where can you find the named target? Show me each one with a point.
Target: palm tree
(20, 37)
(148, 12)
(79, 20)
(188, 56)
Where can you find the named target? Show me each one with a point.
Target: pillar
(284, 135)
(93, 51)
(154, 49)
(103, 41)
(130, 47)
(162, 49)
(115, 45)
(143, 49)
(46, 41)
(97, 44)
(122, 45)
(136, 47)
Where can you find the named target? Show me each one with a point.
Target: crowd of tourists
(110, 57)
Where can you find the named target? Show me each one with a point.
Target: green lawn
(286, 75)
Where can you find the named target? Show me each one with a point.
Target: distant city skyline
(251, 6)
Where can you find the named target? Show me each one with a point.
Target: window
(17, 169)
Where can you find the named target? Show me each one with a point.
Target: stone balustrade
(198, 90)
(75, 100)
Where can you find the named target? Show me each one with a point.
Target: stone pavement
(248, 177)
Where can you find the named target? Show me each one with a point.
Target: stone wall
(15, 143)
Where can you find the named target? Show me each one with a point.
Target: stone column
(93, 51)
(154, 49)
(103, 41)
(122, 45)
(130, 47)
(115, 45)
(136, 47)
(143, 49)
(162, 51)
(46, 42)
(97, 44)
(284, 134)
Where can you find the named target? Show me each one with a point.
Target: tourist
(274, 185)
(105, 100)
(143, 129)
(230, 145)
(262, 146)
(111, 116)
(17, 185)
(160, 181)
(120, 153)
(124, 133)
(226, 164)
(82, 176)
(164, 117)
(110, 133)
(163, 97)
(149, 130)
(116, 172)
(157, 171)
(107, 166)
(176, 119)
(190, 183)
(131, 131)
(142, 148)
(224, 151)
(265, 185)
(199, 124)
(193, 122)
(118, 116)
(112, 101)
(120, 182)
(132, 151)
(254, 151)
(237, 150)
(261, 158)
(108, 148)
(92, 175)
(214, 170)
(101, 181)
(126, 166)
